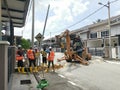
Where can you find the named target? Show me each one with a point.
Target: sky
(65, 14)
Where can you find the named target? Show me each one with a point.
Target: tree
(25, 43)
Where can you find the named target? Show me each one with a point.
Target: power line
(29, 11)
(27, 15)
(86, 16)
(90, 15)
(114, 1)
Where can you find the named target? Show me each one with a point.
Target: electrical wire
(27, 15)
(87, 16)
(114, 1)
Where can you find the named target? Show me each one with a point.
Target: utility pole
(108, 6)
(110, 55)
(33, 23)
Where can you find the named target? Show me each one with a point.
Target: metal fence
(11, 61)
(96, 51)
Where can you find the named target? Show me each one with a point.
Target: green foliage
(25, 43)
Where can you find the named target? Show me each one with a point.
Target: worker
(62, 47)
(37, 56)
(44, 57)
(78, 45)
(51, 59)
(32, 60)
(19, 58)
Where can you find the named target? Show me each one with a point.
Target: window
(93, 35)
(104, 33)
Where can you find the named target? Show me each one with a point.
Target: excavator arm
(72, 55)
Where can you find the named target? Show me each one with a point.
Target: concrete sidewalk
(59, 82)
(56, 82)
(23, 82)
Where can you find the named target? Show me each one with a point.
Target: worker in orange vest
(19, 58)
(32, 60)
(50, 59)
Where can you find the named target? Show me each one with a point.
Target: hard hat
(19, 45)
(50, 47)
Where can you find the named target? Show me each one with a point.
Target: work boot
(19, 69)
(36, 70)
(42, 64)
(45, 65)
(47, 70)
(23, 70)
(31, 69)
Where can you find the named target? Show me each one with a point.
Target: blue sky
(65, 13)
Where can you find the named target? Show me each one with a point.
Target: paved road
(99, 75)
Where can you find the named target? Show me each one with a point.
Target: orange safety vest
(51, 56)
(30, 54)
(18, 57)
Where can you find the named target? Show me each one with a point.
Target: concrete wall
(4, 65)
(115, 30)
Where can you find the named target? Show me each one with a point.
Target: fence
(11, 61)
(96, 51)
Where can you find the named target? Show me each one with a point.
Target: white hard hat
(19, 45)
(50, 47)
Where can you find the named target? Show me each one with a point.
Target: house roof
(15, 10)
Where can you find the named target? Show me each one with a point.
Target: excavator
(76, 51)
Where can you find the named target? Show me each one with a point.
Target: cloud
(18, 31)
(64, 13)
(79, 7)
(117, 12)
(61, 14)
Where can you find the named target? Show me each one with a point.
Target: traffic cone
(23, 70)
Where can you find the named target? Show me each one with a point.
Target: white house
(97, 36)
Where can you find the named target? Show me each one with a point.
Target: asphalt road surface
(99, 75)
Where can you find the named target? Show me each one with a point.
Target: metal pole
(45, 25)
(46, 20)
(108, 6)
(0, 22)
(33, 24)
(110, 55)
(44, 31)
(50, 39)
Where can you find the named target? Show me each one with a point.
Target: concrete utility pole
(33, 23)
(108, 6)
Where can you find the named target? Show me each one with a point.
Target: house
(96, 37)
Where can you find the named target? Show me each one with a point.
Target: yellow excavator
(75, 52)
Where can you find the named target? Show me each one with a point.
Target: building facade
(96, 37)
